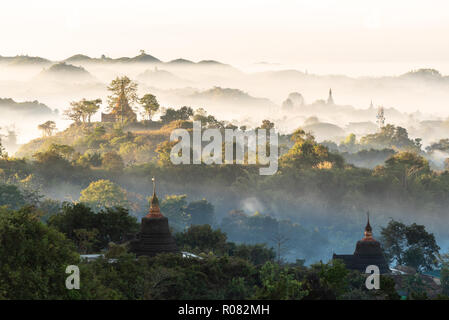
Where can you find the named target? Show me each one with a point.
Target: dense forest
(84, 189)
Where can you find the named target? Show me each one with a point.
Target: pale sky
(304, 33)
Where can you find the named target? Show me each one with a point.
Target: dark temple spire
(368, 230)
(155, 211)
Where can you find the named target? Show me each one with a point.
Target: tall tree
(47, 128)
(82, 110)
(149, 104)
(104, 194)
(124, 94)
(201, 211)
(410, 245)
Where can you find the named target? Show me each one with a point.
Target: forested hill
(28, 107)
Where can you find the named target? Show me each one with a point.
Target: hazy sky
(309, 34)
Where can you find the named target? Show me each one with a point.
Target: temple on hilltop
(121, 111)
(154, 236)
(330, 100)
(367, 252)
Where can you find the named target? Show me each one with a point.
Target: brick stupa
(154, 236)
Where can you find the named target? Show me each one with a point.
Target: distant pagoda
(154, 236)
(330, 99)
(367, 252)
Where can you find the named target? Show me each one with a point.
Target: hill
(8, 105)
(162, 78)
(65, 72)
(230, 96)
(24, 60)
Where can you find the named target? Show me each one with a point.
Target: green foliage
(104, 194)
(149, 104)
(113, 162)
(260, 228)
(52, 166)
(3, 153)
(307, 153)
(47, 128)
(410, 245)
(258, 254)
(201, 212)
(33, 257)
(183, 113)
(201, 238)
(11, 196)
(393, 137)
(92, 231)
(444, 275)
(82, 110)
(335, 275)
(279, 284)
(174, 208)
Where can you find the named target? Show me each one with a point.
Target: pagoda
(330, 99)
(367, 252)
(154, 236)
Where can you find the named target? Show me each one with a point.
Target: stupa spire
(368, 230)
(155, 211)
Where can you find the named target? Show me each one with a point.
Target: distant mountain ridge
(85, 60)
(24, 60)
(28, 107)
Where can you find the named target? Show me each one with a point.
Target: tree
(182, 114)
(333, 275)
(47, 128)
(267, 125)
(11, 196)
(174, 208)
(74, 113)
(280, 242)
(124, 94)
(149, 104)
(3, 153)
(279, 284)
(391, 137)
(405, 165)
(445, 274)
(112, 161)
(410, 245)
(93, 231)
(163, 151)
(202, 238)
(82, 110)
(34, 257)
(206, 120)
(307, 153)
(52, 166)
(104, 194)
(201, 212)
(90, 107)
(63, 150)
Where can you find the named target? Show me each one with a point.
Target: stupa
(367, 252)
(154, 236)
